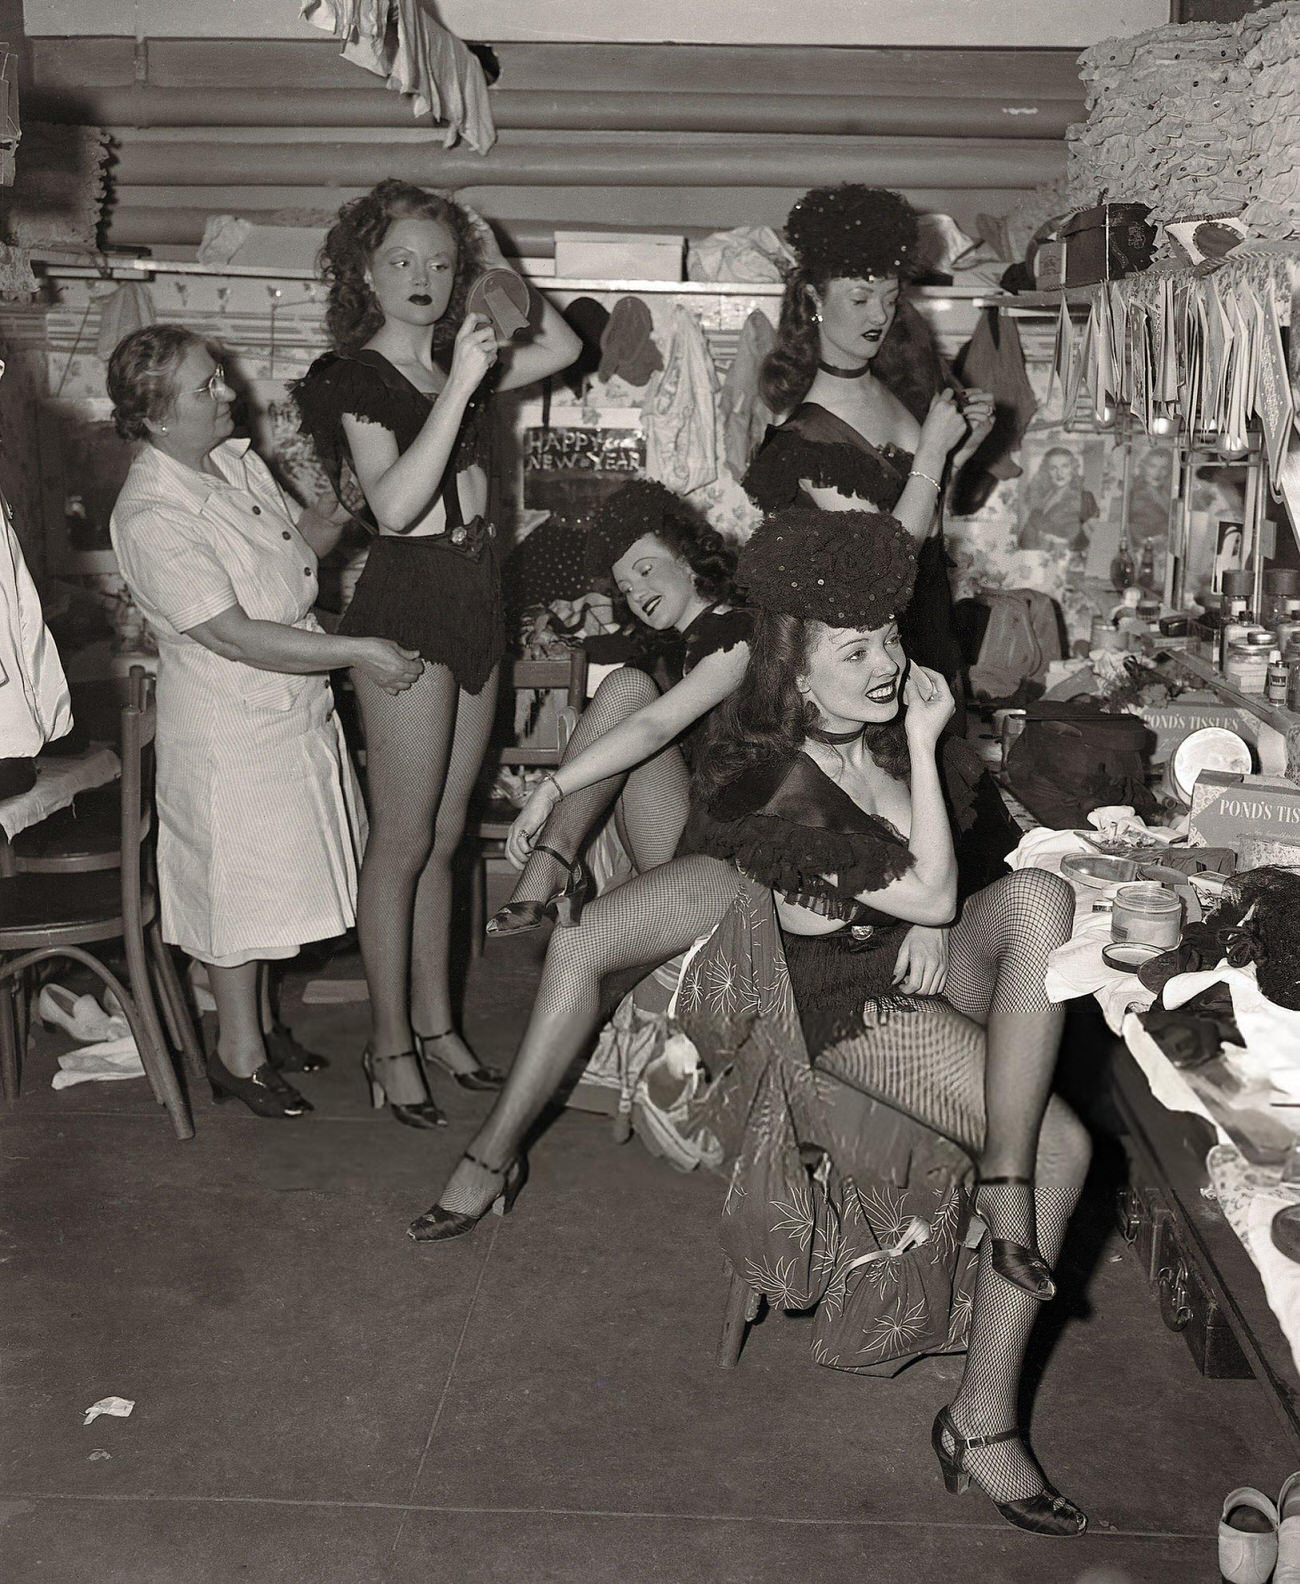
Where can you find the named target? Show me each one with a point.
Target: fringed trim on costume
(796, 860)
(343, 382)
(714, 632)
(788, 458)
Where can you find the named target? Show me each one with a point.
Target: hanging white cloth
(417, 56)
(681, 424)
(34, 702)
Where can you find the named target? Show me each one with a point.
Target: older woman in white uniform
(259, 821)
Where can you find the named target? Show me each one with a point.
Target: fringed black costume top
(789, 826)
(814, 444)
(439, 594)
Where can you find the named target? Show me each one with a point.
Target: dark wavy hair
(908, 362)
(140, 372)
(767, 718)
(644, 506)
(352, 315)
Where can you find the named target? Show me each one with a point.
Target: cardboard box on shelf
(1226, 808)
(1172, 722)
(618, 255)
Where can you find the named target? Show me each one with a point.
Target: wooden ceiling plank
(1011, 75)
(516, 110)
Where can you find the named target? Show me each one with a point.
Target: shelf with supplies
(1285, 722)
(1274, 715)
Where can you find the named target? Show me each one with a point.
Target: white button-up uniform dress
(260, 826)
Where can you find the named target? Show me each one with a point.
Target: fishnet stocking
(637, 925)
(997, 967)
(1002, 1318)
(423, 752)
(931, 1064)
(653, 799)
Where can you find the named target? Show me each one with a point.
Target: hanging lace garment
(401, 41)
(681, 424)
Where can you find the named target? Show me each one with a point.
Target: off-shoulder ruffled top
(366, 385)
(789, 826)
(816, 445)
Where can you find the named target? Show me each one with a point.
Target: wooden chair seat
(85, 837)
(37, 909)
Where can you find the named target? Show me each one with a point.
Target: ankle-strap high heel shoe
(264, 1092)
(417, 1114)
(1047, 1513)
(565, 907)
(437, 1225)
(479, 1077)
(1022, 1267)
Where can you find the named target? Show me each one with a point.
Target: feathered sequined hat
(847, 569)
(861, 232)
(639, 507)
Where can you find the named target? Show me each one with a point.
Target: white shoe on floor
(1288, 1532)
(1244, 1557)
(82, 1016)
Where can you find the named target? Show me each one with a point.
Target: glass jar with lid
(1147, 912)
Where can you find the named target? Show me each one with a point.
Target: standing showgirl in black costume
(810, 786)
(673, 572)
(400, 403)
(856, 371)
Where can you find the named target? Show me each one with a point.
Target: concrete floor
(320, 1400)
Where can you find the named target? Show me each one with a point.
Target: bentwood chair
(566, 677)
(60, 914)
(87, 836)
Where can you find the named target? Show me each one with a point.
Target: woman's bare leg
(637, 925)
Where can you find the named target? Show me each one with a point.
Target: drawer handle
(1175, 1310)
(1129, 1214)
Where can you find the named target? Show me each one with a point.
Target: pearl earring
(162, 428)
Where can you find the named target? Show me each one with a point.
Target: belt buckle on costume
(469, 540)
(862, 932)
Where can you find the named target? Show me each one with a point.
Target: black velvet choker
(843, 373)
(835, 738)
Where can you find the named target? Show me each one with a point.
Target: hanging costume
(439, 593)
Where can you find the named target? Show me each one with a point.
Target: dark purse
(1072, 758)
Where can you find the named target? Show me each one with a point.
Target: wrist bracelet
(916, 473)
(559, 791)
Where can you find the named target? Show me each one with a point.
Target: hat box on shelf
(619, 255)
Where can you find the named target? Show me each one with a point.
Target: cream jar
(1147, 912)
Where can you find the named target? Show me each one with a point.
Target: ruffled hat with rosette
(847, 569)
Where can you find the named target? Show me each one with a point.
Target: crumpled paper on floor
(104, 1062)
(119, 1407)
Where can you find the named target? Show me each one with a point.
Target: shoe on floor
(1247, 1555)
(1288, 1532)
(81, 1015)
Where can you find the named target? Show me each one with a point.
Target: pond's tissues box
(1226, 808)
